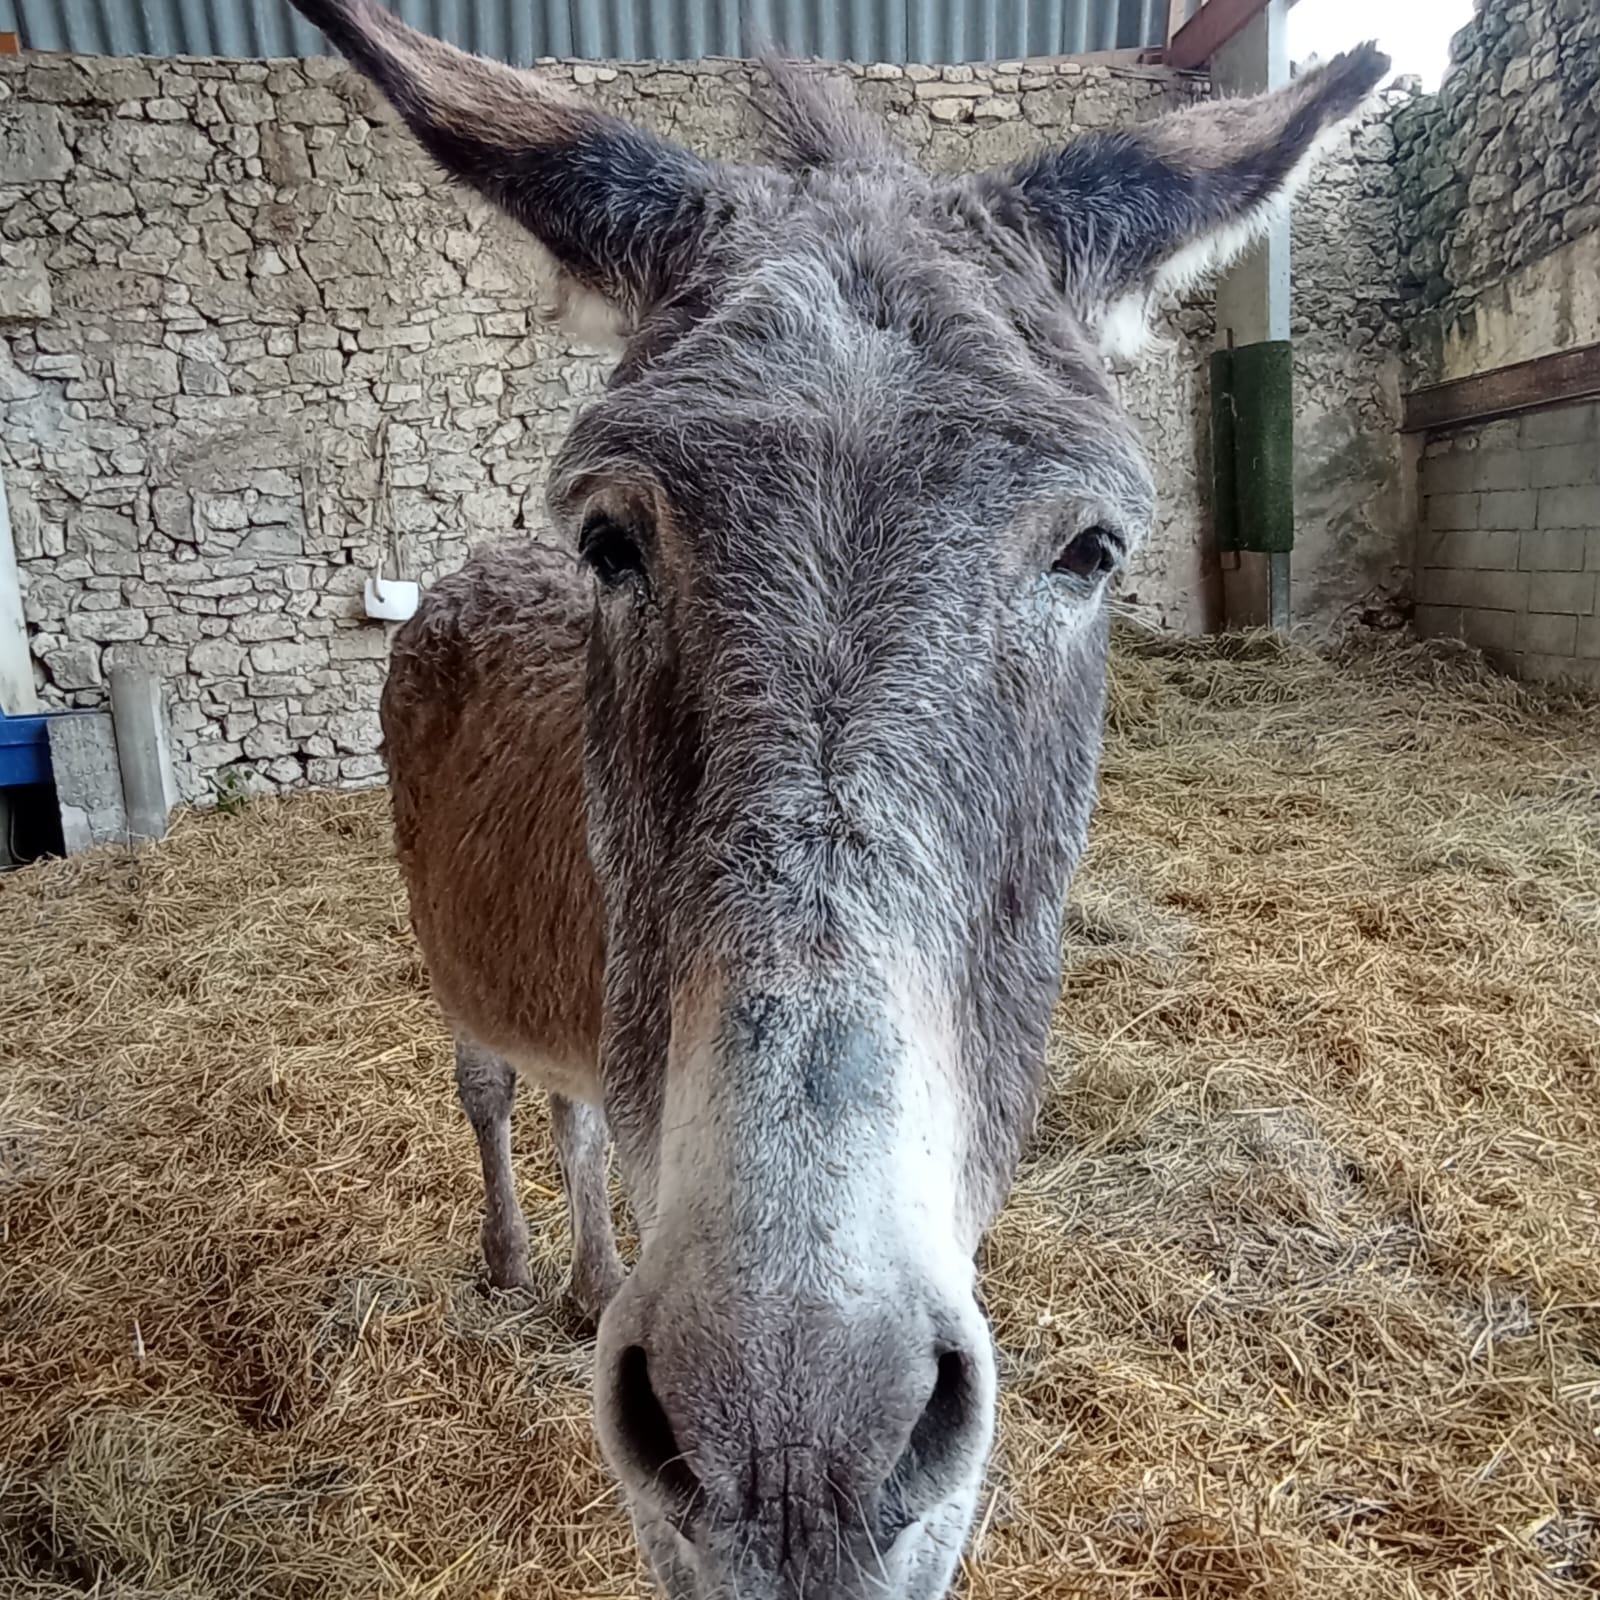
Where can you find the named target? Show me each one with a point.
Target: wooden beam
(1544, 381)
(1177, 15)
(1211, 27)
(10, 45)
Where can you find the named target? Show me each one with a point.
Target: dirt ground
(1298, 1294)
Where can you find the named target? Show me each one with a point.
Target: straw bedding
(1298, 1294)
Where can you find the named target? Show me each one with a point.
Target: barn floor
(1298, 1295)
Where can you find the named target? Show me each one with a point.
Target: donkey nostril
(940, 1450)
(941, 1428)
(645, 1432)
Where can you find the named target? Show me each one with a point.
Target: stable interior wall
(1500, 186)
(253, 349)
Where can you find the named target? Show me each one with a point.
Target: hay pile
(1298, 1295)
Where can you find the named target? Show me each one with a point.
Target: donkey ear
(1135, 214)
(618, 208)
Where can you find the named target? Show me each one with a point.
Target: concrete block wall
(1509, 555)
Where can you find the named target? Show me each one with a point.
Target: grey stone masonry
(1502, 166)
(254, 348)
(1352, 547)
(1516, 571)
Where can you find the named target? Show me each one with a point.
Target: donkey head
(852, 502)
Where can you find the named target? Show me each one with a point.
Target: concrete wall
(1509, 558)
(252, 347)
(1499, 178)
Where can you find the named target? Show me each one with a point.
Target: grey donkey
(742, 821)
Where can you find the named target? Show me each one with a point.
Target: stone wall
(1355, 479)
(1500, 189)
(1509, 558)
(1499, 178)
(252, 348)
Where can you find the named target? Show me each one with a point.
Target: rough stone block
(95, 198)
(273, 542)
(200, 377)
(146, 374)
(83, 753)
(216, 658)
(107, 289)
(33, 144)
(312, 107)
(267, 742)
(107, 627)
(947, 90)
(367, 643)
(245, 102)
(94, 533)
(24, 297)
(356, 732)
(317, 367)
(213, 753)
(275, 658)
(74, 666)
(164, 151)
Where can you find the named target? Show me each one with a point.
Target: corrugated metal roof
(626, 30)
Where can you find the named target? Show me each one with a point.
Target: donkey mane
(810, 121)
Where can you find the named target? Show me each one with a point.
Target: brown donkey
(742, 823)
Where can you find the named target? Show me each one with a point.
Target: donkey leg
(597, 1271)
(487, 1086)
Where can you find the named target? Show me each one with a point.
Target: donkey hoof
(510, 1275)
(505, 1254)
(589, 1293)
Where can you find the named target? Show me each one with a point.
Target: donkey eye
(611, 549)
(1090, 555)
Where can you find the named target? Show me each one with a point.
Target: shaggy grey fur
(851, 504)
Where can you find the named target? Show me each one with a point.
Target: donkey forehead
(848, 339)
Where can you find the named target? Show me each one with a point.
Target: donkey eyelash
(610, 548)
(1090, 555)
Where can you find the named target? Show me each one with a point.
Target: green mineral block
(1262, 393)
(1224, 480)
